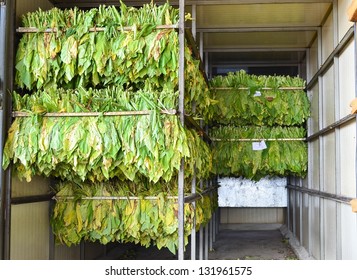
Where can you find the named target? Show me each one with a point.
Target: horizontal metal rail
(190, 122)
(257, 139)
(91, 3)
(263, 88)
(345, 40)
(258, 29)
(327, 129)
(329, 196)
(31, 199)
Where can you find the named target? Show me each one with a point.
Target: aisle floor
(251, 245)
(230, 244)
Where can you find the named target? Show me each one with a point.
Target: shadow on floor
(230, 244)
(251, 245)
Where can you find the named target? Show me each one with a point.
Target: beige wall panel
(37, 186)
(313, 61)
(314, 158)
(297, 215)
(343, 23)
(348, 233)
(305, 221)
(328, 98)
(292, 210)
(30, 231)
(315, 230)
(329, 163)
(330, 229)
(347, 79)
(63, 252)
(24, 6)
(223, 213)
(313, 121)
(348, 159)
(253, 215)
(327, 38)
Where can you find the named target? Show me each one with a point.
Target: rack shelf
(184, 34)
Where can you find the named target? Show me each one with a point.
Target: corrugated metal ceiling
(261, 15)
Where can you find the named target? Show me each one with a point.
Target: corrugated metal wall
(328, 228)
(263, 215)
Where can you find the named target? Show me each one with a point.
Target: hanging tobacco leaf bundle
(244, 99)
(82, 212)
(101, 147)
(75, 55)
(234, 154)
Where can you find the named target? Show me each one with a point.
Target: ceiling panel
(274, 31)
(300, 39)
(247, 57)
(261, 15)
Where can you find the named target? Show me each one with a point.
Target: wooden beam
(352, 11)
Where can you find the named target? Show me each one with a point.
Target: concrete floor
(251, 245)
(245, 242)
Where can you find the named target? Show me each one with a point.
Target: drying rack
(184, 119)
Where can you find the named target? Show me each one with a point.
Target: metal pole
(193, 231)
(194, 21)
(201, 243)
(355, 46)
(2, 91)
(337, 132)
(206, 243)
(214, 227)
(51, 250)
(211, 231)
(201, 47)
(7, 54)
(181, 241)
(321, 142)
(211, 235)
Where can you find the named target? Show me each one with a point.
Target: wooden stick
(94, 114)
(93, 29)
(258, 139)
(264, 88)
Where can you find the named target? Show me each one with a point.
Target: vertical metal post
(211, 224)
(288, 208)
(218, 217)
(51, 245)
(6, 84)
(207, 68)
(321, 140)
(201, 47)
(201, 243)
(193, 186)
(2, 93)
(214, 227)
(337, 131)
(355, 45)
(181, 238)
(194, 21)
(211, 235)
(206, 243)
(310, 153)
(206, 232)
(193, 231)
